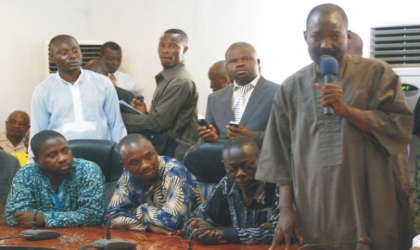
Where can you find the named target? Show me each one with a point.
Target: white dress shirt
(86, 109)
(237, 92)
(125, 81)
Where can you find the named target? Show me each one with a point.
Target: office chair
(105, 154)
(204, 161)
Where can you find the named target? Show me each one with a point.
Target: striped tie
(240, 106)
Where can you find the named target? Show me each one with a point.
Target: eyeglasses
(20, 124)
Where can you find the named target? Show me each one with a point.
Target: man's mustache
(326, 52)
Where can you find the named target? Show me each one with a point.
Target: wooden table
(74, 238)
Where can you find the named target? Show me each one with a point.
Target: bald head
(133, 142)
(139, 157)
(218, 76)
(20, 113)
(242, 63)
(97, 66)
(355, 46)
(17, 124)
(60, 38)
(242, 45)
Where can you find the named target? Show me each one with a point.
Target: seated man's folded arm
(22, 196)
(90, 202)
(123, 203)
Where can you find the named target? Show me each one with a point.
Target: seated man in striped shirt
(239, 201)
(154, 193)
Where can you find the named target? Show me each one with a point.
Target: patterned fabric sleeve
(22, 195)
(90, 200)
(215, 209)
(29, 192)
(179, 201)
(167, 204)
(259, 236)
(122, 203)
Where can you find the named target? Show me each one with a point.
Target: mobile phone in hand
(234, 124)
(140, 98)
(203, 122)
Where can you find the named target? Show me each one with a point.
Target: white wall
(211, 26)
(273, 27)
(26, 24)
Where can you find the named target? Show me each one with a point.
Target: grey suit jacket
(219, 109)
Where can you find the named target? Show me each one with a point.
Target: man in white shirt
(77, 103)
(111, 55)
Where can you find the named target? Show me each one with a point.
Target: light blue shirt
(87, 109)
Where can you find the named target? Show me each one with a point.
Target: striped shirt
(225, 208)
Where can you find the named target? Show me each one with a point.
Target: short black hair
(130, 139)
(239, 142)
(326, 9)
(111, 45)
(60, 38)
(242, 44)
(41, 137)
(179, 32)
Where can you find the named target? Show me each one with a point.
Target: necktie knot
(113, 79)
(244, 89)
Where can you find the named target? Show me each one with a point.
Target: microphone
(35, 234)
(329, 69)
(362, 241)
(109, 244)
(182, 233)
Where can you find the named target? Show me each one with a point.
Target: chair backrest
(105, 154)
(204, 161)
(102, 152)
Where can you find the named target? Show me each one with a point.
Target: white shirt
(416, 241)
(8, 146)
(126, 82)
(87, 109)
(237, 92)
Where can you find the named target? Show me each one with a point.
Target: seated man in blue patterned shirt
(56, 179)
(239, 201)
(155, 193)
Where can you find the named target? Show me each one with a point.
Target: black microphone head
(180, 233)
(329, 66)
(365, 241)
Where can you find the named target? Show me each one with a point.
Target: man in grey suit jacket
(242, 65)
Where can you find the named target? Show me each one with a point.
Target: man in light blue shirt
(77, 103)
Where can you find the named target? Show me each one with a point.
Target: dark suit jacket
(124, 95)
(219, 109)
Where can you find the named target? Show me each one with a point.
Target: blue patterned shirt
(82, 195)
(225, 208)
(168, 203)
